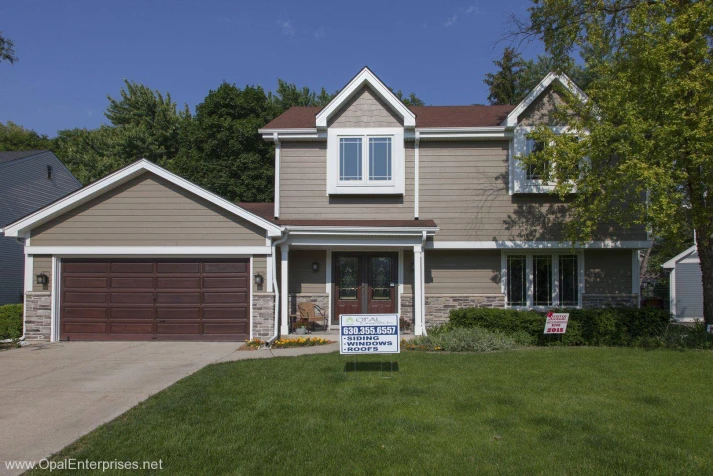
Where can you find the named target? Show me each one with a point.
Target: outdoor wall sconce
(42, 279)
(315, 266)
(258, 279)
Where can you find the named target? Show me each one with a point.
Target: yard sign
(369, 334)
(556, 322)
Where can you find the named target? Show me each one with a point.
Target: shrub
(459, 339)
(609, 326)
(10, 321)
(679, 336)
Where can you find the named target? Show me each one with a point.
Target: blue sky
(73, 53)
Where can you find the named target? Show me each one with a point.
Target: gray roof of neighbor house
(18, 154)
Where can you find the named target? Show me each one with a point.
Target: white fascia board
(511, 119)
(432, 133)
(119, 177)
(293, 134)
(148, 250)
(358, 230)
(365, 76)
(336, 241)
(498, 245)
(670, 264)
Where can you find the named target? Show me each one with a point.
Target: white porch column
(284, 298)
(418, 290)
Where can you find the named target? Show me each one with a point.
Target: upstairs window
(535, 171)
(350, 158)
(379, 158)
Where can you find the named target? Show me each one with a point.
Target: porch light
(42, 279)
(315, 266)
(258, 279)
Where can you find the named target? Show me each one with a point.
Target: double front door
(364, 283)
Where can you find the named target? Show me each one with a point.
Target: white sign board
(556, 323)
(369, 334)
(709, 328)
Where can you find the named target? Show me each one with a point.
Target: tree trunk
(705, 254)
(644, 266)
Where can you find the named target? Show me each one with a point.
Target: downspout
(274, 286)
(423, 282)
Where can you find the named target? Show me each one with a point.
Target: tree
(15, 137)
(288, 95)
(505, 85)
(7, 49)
(648, 120)
(410, 100)
(533, 71)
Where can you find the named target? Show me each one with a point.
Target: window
(365, 161)
(535, 171)
(536, 279)
(350, 160)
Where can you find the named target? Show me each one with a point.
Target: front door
(364, 283)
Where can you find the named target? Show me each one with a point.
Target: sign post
(369, 334)
(556, 323)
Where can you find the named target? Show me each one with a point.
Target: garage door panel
(178, 268)
(132, 283)
(85, 282)
(85, 298)
(132, 298)
(80, 267)
(172, 299)
(225, 267)
(131, 313)
(132, 267)
(178, 283)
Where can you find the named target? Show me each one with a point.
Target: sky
(72, 54)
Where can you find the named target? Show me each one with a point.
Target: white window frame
(395, 186)
(519, 182)
(529, 272)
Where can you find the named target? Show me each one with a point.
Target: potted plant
(301, 328)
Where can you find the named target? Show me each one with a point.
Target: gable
(148, 210)
(365, 109)
(542, 110)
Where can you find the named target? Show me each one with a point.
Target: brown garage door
(163, 300)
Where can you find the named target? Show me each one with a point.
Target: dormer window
(535, 171)
(365, 161)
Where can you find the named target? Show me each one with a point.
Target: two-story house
(379, 208)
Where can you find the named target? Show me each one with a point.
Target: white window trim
(530, 277)
(519, 183)
(395, 186)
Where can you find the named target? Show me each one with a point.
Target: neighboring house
(29, 180)
(379, 208)
(686, 286)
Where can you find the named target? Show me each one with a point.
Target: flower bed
(285, 343)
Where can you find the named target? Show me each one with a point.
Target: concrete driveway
(52, 394)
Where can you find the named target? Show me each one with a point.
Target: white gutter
(274, 286)
(422, 299)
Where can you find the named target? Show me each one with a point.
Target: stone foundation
(407, 310)
(318, 299)
(38, 318)
(438, 307)
(610, 300)
(263, 315)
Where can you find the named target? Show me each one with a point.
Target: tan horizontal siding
(259, 267)
(42, 264)
(365, 109)
(607, 271)
(303, 189)
(301, 277)
(462, 272)
(148, 211)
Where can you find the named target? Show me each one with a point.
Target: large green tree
(505, 85)
(7, 49)
(648, 122)
(15, 137)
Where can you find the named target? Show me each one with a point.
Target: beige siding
(259, 267)
(464, 188)
(42, 264)
(301, 278)
(365, 109)
(607, 272)
(148, 211)
(462, 272)
(303, 189)
(541, 110)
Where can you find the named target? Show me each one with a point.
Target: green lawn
(535, 411)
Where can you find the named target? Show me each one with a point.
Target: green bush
(609, 326)
(681, 336)
(459, 339)
(10, 321)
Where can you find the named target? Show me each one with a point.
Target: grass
(534, 411)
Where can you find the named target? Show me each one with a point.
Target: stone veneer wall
(319, 299)
(610, 300)
(38, 318)
(439, 306)
(263, 315)
(407, 309)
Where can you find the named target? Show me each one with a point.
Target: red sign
(556, 323)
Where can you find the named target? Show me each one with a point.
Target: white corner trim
(671, 264)
(29, 273)
(365, 76)
(511, 119)
(148, 250)
(124, 175)
(278, 150)
(416, 173)
(496, 245)
(251, 283)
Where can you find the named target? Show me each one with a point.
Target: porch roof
(266, 210)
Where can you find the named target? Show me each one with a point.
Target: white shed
(686, 286)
